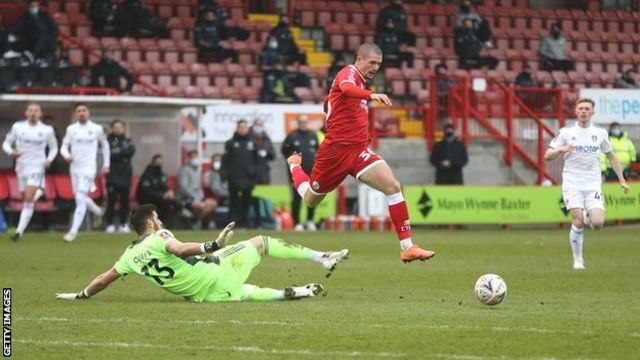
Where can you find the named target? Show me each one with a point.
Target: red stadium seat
(211, 92)
(63, 187)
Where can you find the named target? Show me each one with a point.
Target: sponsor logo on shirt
(589, 149)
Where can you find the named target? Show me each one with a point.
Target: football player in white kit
(581, 144)
(26, 143)
(80, 147)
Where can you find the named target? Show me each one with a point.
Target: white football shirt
(582, 165)
(31, 142)
(81, 141)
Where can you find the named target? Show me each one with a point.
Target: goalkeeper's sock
(576, 238)
(25, 217)
(281, 249)
(300, 179)
(400, 219)
(252, 292)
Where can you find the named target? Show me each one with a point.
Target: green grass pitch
(375, 306)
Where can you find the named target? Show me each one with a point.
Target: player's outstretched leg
(282, 249)
(252, 292)
(380, 177)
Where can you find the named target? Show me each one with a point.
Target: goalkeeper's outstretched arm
(98, 284)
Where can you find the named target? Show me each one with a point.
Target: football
(491, 289)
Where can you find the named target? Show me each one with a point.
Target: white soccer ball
(491, 289)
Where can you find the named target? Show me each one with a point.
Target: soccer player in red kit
(345, 149)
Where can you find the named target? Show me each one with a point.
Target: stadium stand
(601, 43)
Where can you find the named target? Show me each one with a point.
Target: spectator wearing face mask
(479, 25)
(623, 147)
(552, 51)
(266, 152)
(217, 185)
(449, 156)
(38, 32)
(287, 46)
(270, 54)
(191, 193)
(388, 40)
(398, 15)
(628, 80)
(468, 47)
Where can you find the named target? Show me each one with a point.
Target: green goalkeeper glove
(224, 236)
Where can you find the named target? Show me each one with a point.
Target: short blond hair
(586, 100)
(369, 48)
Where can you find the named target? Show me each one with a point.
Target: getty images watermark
(6, 322)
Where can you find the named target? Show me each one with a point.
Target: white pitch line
(241, 349)
(302, 323)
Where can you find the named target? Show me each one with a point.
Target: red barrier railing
(523, 119)
(68, 91)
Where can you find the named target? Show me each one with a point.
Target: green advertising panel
(507, 205)
(280, 196)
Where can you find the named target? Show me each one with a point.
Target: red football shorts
(334, 162)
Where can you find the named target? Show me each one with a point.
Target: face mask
(465, 8)
(273, 44)
(258, 130)
(33, 11)
(194, 162)
(217, 165)
(616, 132)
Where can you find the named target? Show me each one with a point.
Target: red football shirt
(347, 112)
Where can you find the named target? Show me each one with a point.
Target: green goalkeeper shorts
(236, 263)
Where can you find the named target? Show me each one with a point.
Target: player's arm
(181, 249)
(52, 143)
(7, 145)
(558, 146)
(98, 284)
(106, 152)
(615, 165)
(64, 149)
(351, 90)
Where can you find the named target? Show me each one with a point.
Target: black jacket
(286, 44)
(265, 147)
(467, 44)
(388, 41)
(304, 142)
(456, 153)
(153, 185)
(268, 57)
(32, 28)
(111, 72)
(240, 162)
(395, 12)
(101, 10)
(122, 150)
(207, 34)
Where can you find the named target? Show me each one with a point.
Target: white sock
(406, 244)
(78, 214)
(303, 188)
(316, 255)
(25, 217)
(92, 206)
(38, 194)
(576, 239)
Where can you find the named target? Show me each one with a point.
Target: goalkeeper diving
(209, 271)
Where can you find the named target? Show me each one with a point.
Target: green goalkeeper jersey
(190, 278)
